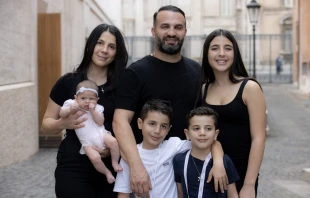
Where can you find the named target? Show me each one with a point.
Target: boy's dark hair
(157, 105)
(167, 8)
(202, 111)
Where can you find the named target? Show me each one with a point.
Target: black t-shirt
(152, 78)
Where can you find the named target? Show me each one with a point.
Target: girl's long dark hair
(119, 63)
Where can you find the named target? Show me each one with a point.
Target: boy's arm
(232, 191)
(123, 195)
(97, 116)
(179, 189)
(218, 171)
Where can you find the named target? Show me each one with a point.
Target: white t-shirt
(158, 163)
(91, 134)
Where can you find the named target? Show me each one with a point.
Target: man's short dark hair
(167, 8)
(156, 105)
(202, 111)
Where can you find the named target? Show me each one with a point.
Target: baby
(94, 132)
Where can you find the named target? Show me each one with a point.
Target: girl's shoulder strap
(204, 91)
(240, 91)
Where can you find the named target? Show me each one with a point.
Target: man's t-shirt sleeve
(128, 91)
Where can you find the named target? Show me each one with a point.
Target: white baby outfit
(91, 134)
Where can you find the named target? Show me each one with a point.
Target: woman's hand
(74, 120)
(220, 178)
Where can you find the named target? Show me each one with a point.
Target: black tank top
(234, 128)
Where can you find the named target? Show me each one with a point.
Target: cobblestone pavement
(287, 152)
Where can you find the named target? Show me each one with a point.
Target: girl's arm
(218, 171)
(97, 116)
(254, 99)
(53, 123)
(232, 191)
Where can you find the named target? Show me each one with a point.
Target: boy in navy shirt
(191, 168)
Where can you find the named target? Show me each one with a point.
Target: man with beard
(165, 74)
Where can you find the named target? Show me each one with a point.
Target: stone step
(305, 175)
(297, 187)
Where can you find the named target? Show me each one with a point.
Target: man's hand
(103, 152)
(140, 181)
(220, 178)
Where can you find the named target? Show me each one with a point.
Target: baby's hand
(92, 106)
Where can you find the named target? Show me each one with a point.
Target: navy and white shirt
(192, 176)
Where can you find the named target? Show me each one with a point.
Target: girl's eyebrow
(216, 45)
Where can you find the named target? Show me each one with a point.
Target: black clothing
(75, 175)
(234, 126)
(152, 78)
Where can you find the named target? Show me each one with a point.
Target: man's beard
(169, 49)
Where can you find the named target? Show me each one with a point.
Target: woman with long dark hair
(240, 102)
(105, 58)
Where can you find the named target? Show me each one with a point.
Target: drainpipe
(299, 52)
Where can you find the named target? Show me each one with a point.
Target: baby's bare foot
(117, 167)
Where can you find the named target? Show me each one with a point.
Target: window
(304, 68)
(288, 3)
(129, 27)
(287, 41)
(227, 7)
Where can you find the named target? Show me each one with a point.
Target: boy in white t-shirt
(155, 152)
(93, 134)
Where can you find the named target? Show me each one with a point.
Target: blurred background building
(301, 27)
(274, 30)
(40, 41)
(43, 39)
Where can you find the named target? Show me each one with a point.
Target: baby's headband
(82, 89)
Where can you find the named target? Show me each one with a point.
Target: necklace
(101, 88)
(196, 169)
(153, 54)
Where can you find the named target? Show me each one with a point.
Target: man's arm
(123, 195)
(139, 178)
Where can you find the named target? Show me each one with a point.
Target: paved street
(287, 153)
